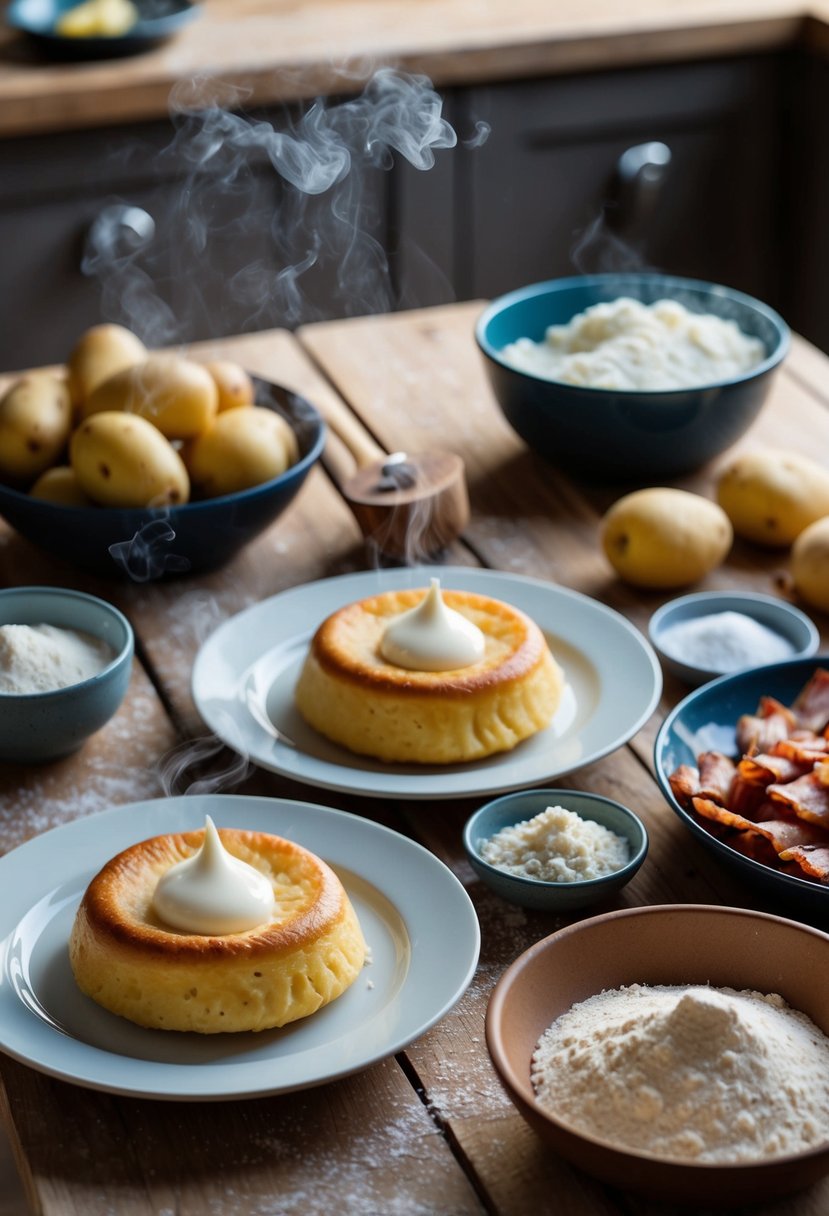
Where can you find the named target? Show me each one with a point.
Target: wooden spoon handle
(352, 433)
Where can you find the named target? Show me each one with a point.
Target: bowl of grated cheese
(679, 1051)
(555, 850)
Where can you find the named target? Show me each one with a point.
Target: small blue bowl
(553, 896)
(625, 434)
(706, 721)
(782, 618)
(148, 543)
(47, 725)
(158, 20)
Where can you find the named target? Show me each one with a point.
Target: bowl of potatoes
(149, 464)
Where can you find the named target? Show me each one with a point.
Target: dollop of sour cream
(213, 893)
(432, 637)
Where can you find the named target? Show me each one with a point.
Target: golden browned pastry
(354, 696)
(129, 961)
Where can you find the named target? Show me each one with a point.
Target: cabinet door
(532, 201)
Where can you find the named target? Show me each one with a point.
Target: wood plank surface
(431, 1131)
(278, 50)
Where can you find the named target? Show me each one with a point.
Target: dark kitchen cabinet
(202, 245)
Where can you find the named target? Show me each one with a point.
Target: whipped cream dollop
(213, 893)
(432, 637)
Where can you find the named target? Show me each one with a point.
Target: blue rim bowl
(553, 896)
(625, 434)
(148, 543)
(158, 20)
(784, 619)
(706, 720)
(40, 726)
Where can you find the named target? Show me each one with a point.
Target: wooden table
(431, 1130)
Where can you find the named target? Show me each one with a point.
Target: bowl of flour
(65, 665)
(679, 1051)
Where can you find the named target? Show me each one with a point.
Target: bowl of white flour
(65, 665)
(679, 1051)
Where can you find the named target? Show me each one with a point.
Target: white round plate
(245, 673)
(417, 970)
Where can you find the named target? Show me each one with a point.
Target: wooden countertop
(279, 50)
(429, 1130)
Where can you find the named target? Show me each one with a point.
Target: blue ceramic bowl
(46, 725)
(625, 435)
(158, 19)
(782, 618)
(553, 896)
(150, 543)
(706, 720)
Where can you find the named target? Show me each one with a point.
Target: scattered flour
(697, 1073)
(556, 845)
(724, 641)
(42, 658)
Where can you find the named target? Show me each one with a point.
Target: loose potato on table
(810, 564)
(101, 352)
(121, 460)
(662, 537)
(771, 496)
(35, 420)
(244, 447)
(176, 395)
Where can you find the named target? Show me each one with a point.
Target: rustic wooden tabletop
(429, 1130)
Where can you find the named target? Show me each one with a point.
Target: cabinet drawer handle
(119, 229)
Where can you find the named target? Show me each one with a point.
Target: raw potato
(35, 420)
(101, 352)
(60, 485)
(810, 564)
(771, 496)
(121, 460)
(243, 448)
(234, 384)
(664, 537)
(177, 395)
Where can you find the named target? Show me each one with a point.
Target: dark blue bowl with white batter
(626, 435)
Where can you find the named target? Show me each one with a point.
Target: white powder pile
(557, 846)
(724, 641)
(42, 658)
(700, 1074)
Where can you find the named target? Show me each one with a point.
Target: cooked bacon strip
(745, 797)
(807, 750)
(781, 834)
(807, 796)
(812, 703)
(813, 859)
(716, 772)
(684, 783)
(721, 814)
(762, 769)
(759, 732)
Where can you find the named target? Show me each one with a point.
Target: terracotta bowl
(683, 944)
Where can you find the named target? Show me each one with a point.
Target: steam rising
(322, 217)
(203, 766)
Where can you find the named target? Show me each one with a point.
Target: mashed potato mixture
(625, 344)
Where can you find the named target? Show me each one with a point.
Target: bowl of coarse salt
(65, 665)
(555, 850)
(680, 1051)
(714, 633)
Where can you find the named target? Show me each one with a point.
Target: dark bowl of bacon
(744, 762)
